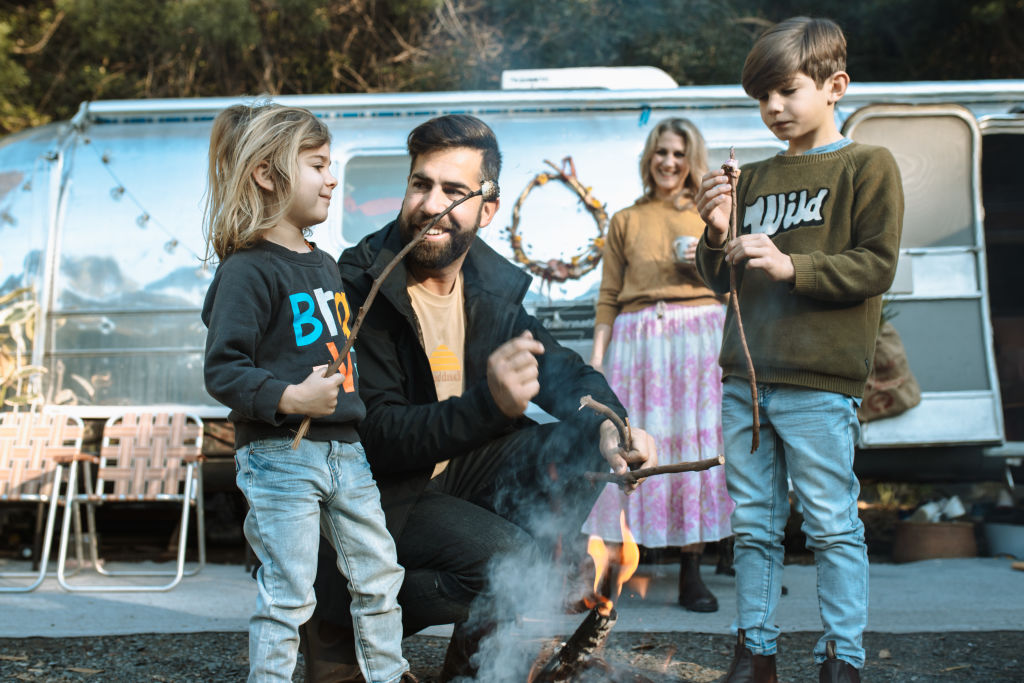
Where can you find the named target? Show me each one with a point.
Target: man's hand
(645, 452)
(512, 373)
(316, 396)
(759, 252)
(714, 203)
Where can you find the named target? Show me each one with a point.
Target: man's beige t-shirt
(443, 328)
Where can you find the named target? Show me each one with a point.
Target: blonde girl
(277, 314)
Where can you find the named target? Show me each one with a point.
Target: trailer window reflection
(374, 187)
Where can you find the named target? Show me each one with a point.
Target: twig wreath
(554, 269)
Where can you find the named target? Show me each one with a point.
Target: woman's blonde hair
(244, 137)
(696, 155)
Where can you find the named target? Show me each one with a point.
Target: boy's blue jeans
(808, 435)
(294, 495)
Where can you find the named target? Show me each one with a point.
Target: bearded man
(448, 360)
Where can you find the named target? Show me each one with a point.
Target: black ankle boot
(749, 668)
(693, 594)
(835, 670)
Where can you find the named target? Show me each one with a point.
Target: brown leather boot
(693, 594)
(329, 652)
(835, 670)
(748, 667)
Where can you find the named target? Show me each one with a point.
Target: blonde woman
(657, 336)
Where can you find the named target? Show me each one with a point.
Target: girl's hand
(316, 396)
(760, 253)
(714, 202)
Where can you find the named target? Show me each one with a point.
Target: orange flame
(629, 559)
(639, 585)
(627, 562)
(599, 552)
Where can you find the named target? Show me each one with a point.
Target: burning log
(577, 660)
(488, 190)
(579, 650)
(627, 478)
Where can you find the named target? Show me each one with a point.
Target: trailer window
(1004, 242)
(374, 187)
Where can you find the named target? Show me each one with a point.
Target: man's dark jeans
(522, 494)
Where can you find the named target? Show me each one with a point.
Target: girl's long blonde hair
(696, 155)
(243, 137)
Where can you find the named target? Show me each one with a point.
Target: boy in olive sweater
(819, 229)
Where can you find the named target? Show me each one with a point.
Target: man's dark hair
(457, 130)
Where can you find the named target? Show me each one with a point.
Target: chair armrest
(76, 457)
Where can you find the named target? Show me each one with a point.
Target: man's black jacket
(407, 430)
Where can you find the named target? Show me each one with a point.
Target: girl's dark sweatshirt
(273, 314)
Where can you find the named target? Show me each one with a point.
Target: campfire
(577, 659)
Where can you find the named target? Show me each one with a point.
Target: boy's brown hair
(815, 47)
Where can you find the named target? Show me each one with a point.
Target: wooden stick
(625, 435)
(731, 167)
(627, 478)
(488, 190)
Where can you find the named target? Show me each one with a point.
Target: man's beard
(428, 255)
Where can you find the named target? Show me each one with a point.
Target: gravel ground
(992, 657)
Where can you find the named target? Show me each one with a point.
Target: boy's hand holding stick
(488, 190)
(731, 169)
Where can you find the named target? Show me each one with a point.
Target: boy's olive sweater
(839, 216)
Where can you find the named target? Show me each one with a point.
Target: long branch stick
(731, 168)
(488, 190)
(628, 478)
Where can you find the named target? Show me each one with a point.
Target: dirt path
(990, 657)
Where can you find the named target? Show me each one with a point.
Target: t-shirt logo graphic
(445, 365)
(784, 211)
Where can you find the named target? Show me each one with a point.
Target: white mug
(680, 246)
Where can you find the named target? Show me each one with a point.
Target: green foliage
(54, 54)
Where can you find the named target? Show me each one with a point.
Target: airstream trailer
(100, 217)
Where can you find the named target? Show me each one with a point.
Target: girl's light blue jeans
(293, 495)
(808, 435)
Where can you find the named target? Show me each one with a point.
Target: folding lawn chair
(144, 458)
(34, 448)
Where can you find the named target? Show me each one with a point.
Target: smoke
(524, 605)
(541, 489)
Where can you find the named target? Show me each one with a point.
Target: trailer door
(940, 295)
